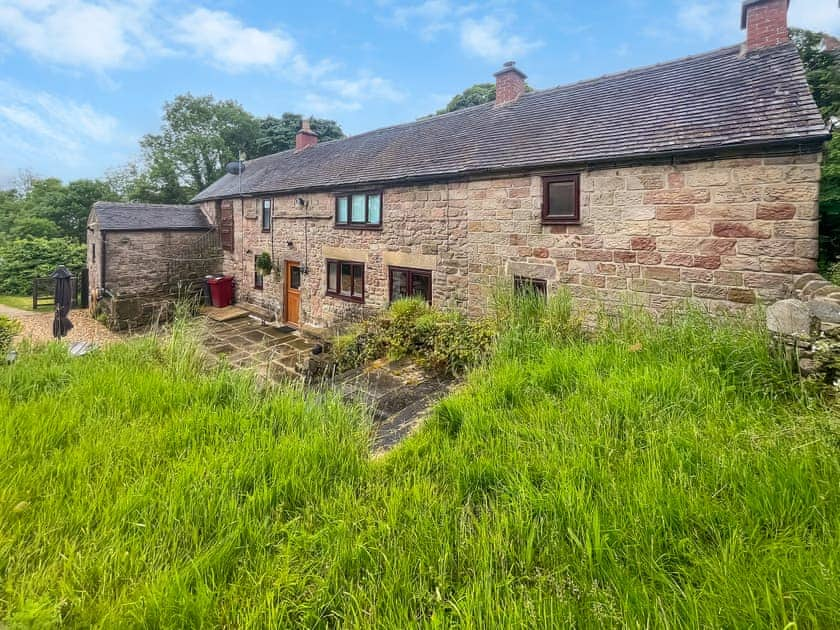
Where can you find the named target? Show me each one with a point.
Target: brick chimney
(766, 23)
(510, 83)
(305, 137)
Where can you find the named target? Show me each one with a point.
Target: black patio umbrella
(63, 299)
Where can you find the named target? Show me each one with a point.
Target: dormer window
(359, 210)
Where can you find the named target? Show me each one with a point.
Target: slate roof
(116, 215)
(712, 101)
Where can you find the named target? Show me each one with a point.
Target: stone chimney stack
(766, 23)
(510, 83)
(305, 137)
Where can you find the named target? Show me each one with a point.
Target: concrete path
(399, 394)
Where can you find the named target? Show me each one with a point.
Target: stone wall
(808, 324)
(723, 233)
(145, 272)
(421, 228)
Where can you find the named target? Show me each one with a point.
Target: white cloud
(98, 36)
(37, 124)
(816, 15)
(365, 87)
(229, 44)
(431, 17)
(487, 38)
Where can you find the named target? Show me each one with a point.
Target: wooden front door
(292, 292)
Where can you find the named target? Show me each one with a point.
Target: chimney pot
(305, 137)
(510, 83)
(766, 23)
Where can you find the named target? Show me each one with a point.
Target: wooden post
(34, 294)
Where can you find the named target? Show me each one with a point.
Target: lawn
(17, 301)
(671, 475)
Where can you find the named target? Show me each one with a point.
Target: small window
(258, 276)
(266, 215)
(294, 277)
(346, 280)
(529, 286)
(93, 251)
(341, 210)
(359, 210)
(561, 199)
(410, 283)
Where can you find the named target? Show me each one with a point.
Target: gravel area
(37, 326)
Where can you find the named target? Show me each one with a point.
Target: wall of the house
(725, 233)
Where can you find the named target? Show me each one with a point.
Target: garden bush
(443, 341)
(23, 259)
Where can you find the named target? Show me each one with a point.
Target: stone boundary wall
(808, 324)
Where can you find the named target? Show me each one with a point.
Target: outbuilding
(141, 257)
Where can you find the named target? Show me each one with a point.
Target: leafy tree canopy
(822, 70)
(477, 94)
(278, 134)
(198, 137)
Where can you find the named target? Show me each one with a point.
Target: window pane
(421, 286)
(357, 214)
(374, 209)
(358, 280)
(266, 214)
(332, 277)
(399, 284)
(294, 280)
(529, 286)
(346, 278)
(342, 210)
(561, 199)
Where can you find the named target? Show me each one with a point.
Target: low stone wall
(808, 324)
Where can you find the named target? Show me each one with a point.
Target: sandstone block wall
(421, 228)
(723, 233)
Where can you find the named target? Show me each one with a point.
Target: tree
(198, 137)
(278, 134)
(822, 70)
(477, 94)
(65, 207)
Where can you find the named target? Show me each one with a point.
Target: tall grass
(668, 475)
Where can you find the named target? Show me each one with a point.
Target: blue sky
(82, 80)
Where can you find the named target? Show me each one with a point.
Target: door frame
(287, 281)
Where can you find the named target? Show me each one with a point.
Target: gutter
(749, 149)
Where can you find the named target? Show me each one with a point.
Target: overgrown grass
(671, 475)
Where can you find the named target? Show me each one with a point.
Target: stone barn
(142, 257)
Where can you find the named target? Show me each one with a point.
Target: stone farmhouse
(695, 179)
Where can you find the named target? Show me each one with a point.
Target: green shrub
(23, 259)
(443, 341)
(8, 329)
